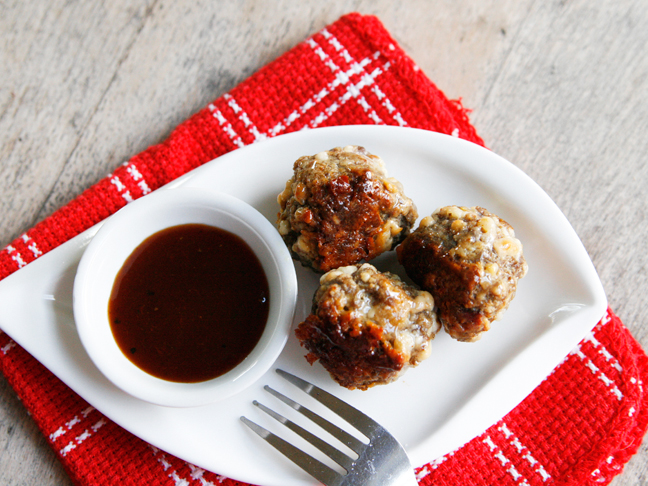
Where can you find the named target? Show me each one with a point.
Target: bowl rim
(122, 233)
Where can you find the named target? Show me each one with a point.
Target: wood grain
(559, 88)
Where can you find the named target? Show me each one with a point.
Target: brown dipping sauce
(190, 303)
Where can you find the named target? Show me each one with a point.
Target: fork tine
(339, 457)
(312, 466)
(355, 417)
(340, 434)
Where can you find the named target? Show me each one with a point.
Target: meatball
(340, 208)
(470, 261)
(367, 328)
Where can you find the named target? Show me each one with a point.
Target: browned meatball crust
(340, 208)
(470, 261)
(366, 327)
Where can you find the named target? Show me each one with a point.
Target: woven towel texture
(580, 426)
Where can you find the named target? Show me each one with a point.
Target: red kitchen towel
(580, 426)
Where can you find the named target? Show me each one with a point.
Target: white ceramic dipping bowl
(116, 240)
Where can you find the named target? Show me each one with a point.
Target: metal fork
(380, 462)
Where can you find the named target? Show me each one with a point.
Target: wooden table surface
(559, 88)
